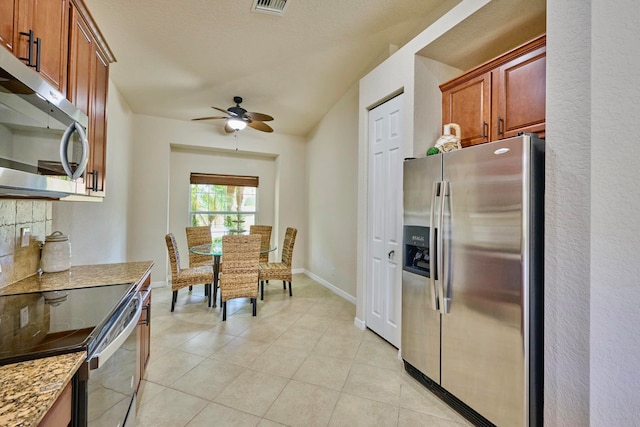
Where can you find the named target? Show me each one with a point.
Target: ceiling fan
(238, 118)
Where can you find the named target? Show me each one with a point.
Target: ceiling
(176, 59)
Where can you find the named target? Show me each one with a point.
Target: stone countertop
(29, 389)
(81, 276)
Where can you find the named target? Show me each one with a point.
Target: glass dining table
(215, 250)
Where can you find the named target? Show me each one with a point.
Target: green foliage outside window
(227, 209)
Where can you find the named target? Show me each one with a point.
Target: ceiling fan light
(236, 124)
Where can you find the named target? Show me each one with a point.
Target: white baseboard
(360, 324)
(159, 284)
(336, 290)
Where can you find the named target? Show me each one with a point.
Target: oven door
(112, 371)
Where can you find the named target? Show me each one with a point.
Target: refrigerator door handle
(442, 269)
(435, 303)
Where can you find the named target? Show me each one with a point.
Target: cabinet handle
(38, 44)
(147, 309)
(485, 125)
(29, 57)
(500, 121)
(390, 254)
(94, 180)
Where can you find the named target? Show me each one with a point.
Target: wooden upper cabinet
(98, 123)
(81, 47)
(500, 98)
(7, 24)
(88, 85)
(41, 38)
(469, 105)
(520, 95)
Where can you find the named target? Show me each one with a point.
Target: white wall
(567, 205)
(184, 160)
(398, 74)
(615, 223)
(332, 159)
(592, 368)
(98, 232)
(149, 213)
(427, 109)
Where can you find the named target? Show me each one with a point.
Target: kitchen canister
(56, 253)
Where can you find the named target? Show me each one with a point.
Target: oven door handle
(103, 356)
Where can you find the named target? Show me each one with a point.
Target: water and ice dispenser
(416, 250)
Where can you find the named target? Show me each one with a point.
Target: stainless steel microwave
(43, 140)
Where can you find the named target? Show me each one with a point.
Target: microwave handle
(64, 144)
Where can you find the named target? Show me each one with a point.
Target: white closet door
(384, 269)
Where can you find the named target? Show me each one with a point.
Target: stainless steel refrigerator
(472, 280)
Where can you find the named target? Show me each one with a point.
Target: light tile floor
(300, 362)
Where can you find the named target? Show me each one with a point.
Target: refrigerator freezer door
(483, 335)
(420, 345)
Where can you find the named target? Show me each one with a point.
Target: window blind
(217, 179)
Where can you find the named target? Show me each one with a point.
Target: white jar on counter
(56, 253)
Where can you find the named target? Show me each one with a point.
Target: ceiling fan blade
(228, 129)
(211, 118)
(260, 126)
(220, 109)
(258, 116)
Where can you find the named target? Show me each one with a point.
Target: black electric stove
(42, 324)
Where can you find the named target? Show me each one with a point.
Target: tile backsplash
(16, 261)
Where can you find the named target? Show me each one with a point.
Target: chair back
(239, 271)
(198, 236)
(174, 256)
(265, 232)
(287, 246)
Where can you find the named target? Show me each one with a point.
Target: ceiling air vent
(273, 7)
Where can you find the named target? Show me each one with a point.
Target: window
(227, 203)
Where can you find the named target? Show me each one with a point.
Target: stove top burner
(40, 324)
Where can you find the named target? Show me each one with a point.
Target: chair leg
(190, 288)
(254, 301)
(224, 311)
(284, 285)
(207, 292)
(174, 298)
(261, 290)
(215, 294)
(290, 294)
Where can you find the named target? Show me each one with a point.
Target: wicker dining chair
(265, 232)
(239, 271)
(280, 270)
(200, 235)
(183, 277)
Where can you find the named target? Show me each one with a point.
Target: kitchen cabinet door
(98, 122)
(469, 105)
(88, 84)
(42, 33)
(7, 24)
(60, 412)
(521, 94)
(501, 97)
(81, 47)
